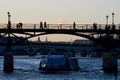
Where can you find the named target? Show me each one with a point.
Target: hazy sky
(59, 11)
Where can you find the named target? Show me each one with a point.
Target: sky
(60, 11)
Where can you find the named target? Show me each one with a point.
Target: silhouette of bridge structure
(82, 30)
(90, 31)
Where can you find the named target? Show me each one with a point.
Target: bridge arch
(72, 33)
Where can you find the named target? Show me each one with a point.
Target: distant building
(87, 42)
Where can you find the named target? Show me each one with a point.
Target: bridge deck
(61, 28)
(61, 31)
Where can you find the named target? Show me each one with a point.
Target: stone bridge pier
(110, 63)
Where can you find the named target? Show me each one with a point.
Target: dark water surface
(26, 68)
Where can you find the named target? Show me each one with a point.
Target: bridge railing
(3, 26)
(60, 26)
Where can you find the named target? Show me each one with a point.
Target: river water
(26, 68)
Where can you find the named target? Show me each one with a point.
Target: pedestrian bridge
(89, 31)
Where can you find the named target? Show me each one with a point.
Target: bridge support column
(8, 55)
(8, 61)
(110, 63)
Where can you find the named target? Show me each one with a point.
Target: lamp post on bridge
(9, 16)
(112, 18)
(107, 20)
(9, 41)
(8, 54)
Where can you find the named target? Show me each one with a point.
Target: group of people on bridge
(19, 25)
(43, 25)
(107, 27)
(110, 27)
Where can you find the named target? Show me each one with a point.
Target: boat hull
(58, 63)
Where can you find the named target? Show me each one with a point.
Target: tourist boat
(56, 61)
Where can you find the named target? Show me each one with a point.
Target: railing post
(34, 28)
(60, 26)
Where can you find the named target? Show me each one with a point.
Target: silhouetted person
(41, 25)
(34, 26)
(20, 25)
(17, 26)
(45, 25)
(113, 27)
(107, 27)
(74, 25)
(95, 26)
